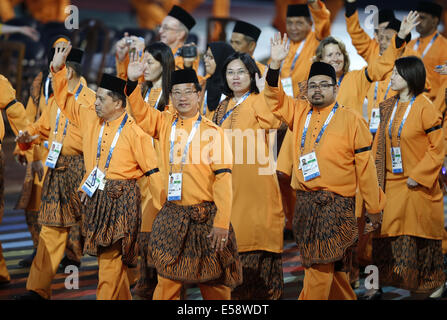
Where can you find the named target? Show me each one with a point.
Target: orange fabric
(133, 155)
(437, 55)
(302, 65)
(257, 215)
(50, 251)
(150, 14)
(15, 113)
(170, 290)
(417, 212)
(113, 283)
(342, 170)
(321, 282)
(366, 47)
(199, 181)
(178, 60)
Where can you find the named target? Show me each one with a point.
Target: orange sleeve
(66, 100)
(148, 118)
(427, 170)
(360, 39)
(41, 126)
(365, 169)
(6, 10)
(145, 156)
(282, 106)
(322, 19)
(263, 114)
(223, 183)
(121, 67)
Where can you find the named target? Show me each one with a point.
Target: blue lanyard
(416, 46)
(78, 92)
(112, 146)
(387, 89)
(326, 123)
(57, 124)
(59, 114)
(341, 79)
(376, 88)
(188, 142)
(403, 120)
(204, 102)
(231, 111)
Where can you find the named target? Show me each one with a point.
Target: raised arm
(322, 18)
(64, 99)
(14, 109)
(148, 118)
(360, 39)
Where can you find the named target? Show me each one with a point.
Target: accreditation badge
(53, 155)
(309, 166)
(175, 187)
(396, 160)
(375, 120)
(93, 182)
(287, 86)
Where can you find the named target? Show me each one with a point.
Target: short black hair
(251, 66)
(412, 70)
(77, 68)
(117, 96)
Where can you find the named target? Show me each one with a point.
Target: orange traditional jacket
(133, 156)
(15, 111)
(343, 154)
(207, 172)
(321, 17)
(42, 10)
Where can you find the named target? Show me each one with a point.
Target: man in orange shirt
(60, 214)
(109, 189)
(326, 175)
(192, 240)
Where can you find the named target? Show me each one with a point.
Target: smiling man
(192, 240)
(337, 163)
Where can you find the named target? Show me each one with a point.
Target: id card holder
(175, 187)
(309, 166)
(375, 120)
(53, 155)
(287, 86)
(396, 160)
(93, 181)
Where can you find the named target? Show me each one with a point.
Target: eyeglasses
(187, 93)
(239, 73)
(320, 86)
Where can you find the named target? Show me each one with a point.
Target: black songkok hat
(247, 29)
(112, 83)
(183, 76)
(183, 16)
(75, 55)
(298, 10)
(322, 68)
(386, 15)
(431, 8)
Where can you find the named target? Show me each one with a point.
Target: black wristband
(351, 8)
(272, 77)
(131, 86)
